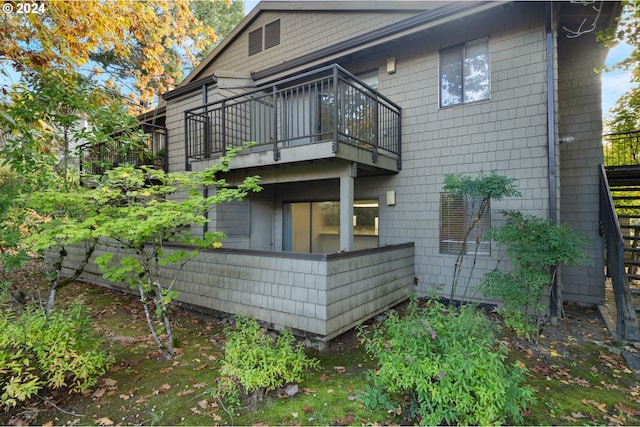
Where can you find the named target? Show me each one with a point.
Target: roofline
(152, 114)
(189, 87)
(449, 10)
(332, 5)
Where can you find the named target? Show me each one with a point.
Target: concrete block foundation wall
(318, 296)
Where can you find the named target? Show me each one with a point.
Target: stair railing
(626, 320)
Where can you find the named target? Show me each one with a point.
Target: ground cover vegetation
(575, 373)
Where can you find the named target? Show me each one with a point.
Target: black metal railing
(95, 159)
(621, 149)
(626, 320)
(328, 104)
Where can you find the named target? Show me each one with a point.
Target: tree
(140, 216)
(534, 247)
(65, 35)
(221, 16)
(484, 188)
(49, 112)
(626, 114)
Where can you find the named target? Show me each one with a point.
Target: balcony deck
(324, 114)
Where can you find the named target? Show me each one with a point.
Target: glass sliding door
(314, 227)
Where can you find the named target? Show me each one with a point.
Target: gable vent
(255, 41)
(272, 34)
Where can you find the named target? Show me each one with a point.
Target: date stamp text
(24, 8)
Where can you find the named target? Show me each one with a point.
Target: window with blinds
(457, 215)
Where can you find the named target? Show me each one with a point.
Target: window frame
(462, 213)
(462, 49)
(324, 220)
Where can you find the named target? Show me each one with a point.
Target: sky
(617, 82)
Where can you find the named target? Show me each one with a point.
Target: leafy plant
(485, 188)
(37, 352)
(254, 362)
(141, 215)
(446, 365)
(534, 246)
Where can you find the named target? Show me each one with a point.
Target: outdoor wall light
(391, 65)
(566, 139)
(391, 198)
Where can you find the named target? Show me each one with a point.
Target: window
(457, 215)
(464, 73)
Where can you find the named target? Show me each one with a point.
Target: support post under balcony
(346, 207)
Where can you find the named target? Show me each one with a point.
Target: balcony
(326, 113)
(95, 159)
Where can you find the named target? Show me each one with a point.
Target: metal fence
(328, 104)
(621, 149)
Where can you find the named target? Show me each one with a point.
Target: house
(357, 111)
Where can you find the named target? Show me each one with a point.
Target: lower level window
(461, 227)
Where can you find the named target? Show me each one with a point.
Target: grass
(577, 372)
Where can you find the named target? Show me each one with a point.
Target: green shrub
(37, 353)
(254, 362)
(447, 365)
(533, 246)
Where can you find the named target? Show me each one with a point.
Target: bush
(37, 353)
(533, 246)
(447, 365)
(254, 362)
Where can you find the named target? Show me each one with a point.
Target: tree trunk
(155, 336)
(57, 283)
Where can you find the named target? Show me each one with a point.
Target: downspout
(551, 148)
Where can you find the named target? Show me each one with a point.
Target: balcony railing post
(223, 120)
(276, 150)
(376, 130)
(187, 138)
(399, 138)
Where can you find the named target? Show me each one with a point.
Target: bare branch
(581, 30)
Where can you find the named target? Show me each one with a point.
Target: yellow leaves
(43, 125)
(71, 31)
